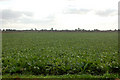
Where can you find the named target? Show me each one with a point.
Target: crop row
(60, 53)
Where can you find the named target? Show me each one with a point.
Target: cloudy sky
(59, 14)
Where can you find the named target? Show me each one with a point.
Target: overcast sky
(59, 14)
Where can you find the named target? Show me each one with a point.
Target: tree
(78, 29)
(51, 29)
(31, 29)
(35, 29)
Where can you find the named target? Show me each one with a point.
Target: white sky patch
(62, 14)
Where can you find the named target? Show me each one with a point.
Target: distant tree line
(55, 30)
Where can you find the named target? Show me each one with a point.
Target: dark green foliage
(60, 53)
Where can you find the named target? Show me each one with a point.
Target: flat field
(60, 53)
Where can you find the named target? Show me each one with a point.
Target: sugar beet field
(58, 53)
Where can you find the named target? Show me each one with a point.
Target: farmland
(60, 53)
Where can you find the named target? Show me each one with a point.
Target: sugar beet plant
(60, 53)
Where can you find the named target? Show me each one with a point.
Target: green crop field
(60, 53)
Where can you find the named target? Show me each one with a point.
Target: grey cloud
(10, 14)
(103, 13)
(19, 17)
(76, 11)
(108, 12)
(28, 13)
(48, 19)
(4, 0)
